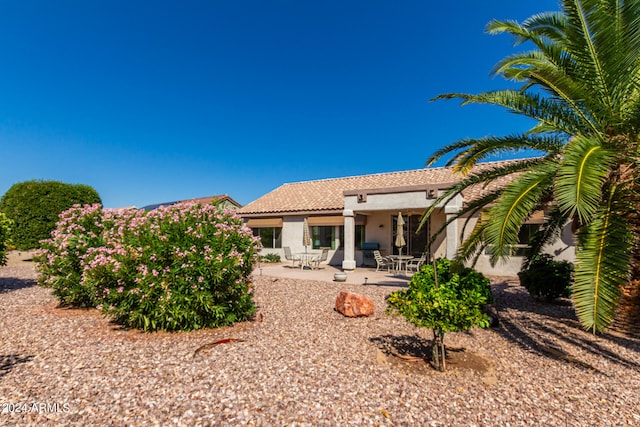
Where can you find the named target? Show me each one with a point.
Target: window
(323, 236)
(416, 241)
(526, 233)
(271, 237)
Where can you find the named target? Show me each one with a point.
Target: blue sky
(157, 101)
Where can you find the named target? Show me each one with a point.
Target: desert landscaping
(299, 362)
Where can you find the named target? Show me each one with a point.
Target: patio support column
(453, 238)
(349, 261)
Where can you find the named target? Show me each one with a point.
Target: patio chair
(416, 263)
(315, 263)
(289, 257)
(382, 261)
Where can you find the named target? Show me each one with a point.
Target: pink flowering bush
(60, 264)
(180, 267)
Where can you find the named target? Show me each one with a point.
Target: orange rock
(354, 305)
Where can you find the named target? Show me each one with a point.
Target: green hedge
(5, 229)
(34, 207)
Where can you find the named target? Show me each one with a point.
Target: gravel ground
(301, 363)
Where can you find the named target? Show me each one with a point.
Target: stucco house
(351, 213)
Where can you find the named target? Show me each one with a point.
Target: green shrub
(547, 278)
(270, 258)
(448, 300)
(34, 207)
(5, 230)
(181, 267)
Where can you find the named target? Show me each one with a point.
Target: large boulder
(354, 305)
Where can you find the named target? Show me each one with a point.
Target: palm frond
(482, 177)
(542, 26)
(474, 244)
(519, 199)
(483, 148)
(545, 235)
(602, 265)
(553, 112)
(468, 212)
(581, 176)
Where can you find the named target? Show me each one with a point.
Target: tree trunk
(627, 317)
(438, 354)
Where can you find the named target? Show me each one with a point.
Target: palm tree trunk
(627, 317)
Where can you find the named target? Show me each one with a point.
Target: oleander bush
(449, 298)
(34, 207)
(548, 279)
(60, 263)
(181, 267)
(5, 230)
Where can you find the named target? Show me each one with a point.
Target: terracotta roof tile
(328, 194)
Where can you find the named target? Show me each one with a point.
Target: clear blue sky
(153, 101)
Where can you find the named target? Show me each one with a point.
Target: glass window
(271, 237)
(415, 241)
(323, 236)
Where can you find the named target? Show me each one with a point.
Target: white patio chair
(416, 263)
(289, 257)
(381, 261)
(315, 263)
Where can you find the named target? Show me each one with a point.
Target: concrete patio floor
(360, 276)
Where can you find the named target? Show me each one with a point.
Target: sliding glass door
(416, 240)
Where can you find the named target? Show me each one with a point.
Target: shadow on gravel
(9, 361)
(388, 283)
(412, 345)
(546, 328)
(8, 284)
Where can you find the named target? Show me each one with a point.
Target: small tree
(448, 298)
(5, 228)
(34, 207)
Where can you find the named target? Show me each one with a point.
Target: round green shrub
(452, 302)
(546, 278)
(5, 229)
(34, 207)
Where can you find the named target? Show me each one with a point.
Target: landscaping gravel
(300, 363)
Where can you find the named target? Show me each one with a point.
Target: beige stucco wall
(378, 229)
(562, 249)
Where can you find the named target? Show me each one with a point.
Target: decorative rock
(354, 305)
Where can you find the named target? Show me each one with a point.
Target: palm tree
(581, 84)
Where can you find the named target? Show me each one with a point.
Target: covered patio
(347, 214)
(360, 276)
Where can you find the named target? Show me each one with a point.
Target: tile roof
(202, 200)
(328, 194)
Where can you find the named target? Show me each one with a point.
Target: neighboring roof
(327, 195)
(202, 200)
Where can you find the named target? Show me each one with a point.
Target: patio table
(399, 261)
(306, 257)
